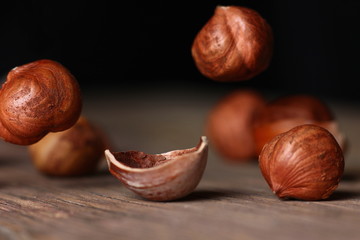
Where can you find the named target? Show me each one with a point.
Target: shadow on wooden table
(351, 176)
(200, 195)
(340, 195)
(10, 161)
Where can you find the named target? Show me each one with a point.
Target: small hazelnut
(286, 112)
(234, 45)
(37, 98)
(75, 151)
(229, 124)
(160, 177)
(303, 163)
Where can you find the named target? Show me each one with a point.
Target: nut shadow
(352, 176)
(99, 178)
(351, 173)
(340, 195)
(97, 173)
(10, 162)
(204, 195)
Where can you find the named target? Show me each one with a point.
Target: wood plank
(232, 201)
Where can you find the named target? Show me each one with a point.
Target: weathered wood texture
(231, 202)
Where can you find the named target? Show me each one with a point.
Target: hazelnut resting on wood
(37, 98)
(235, 44)
(304, 163)
(160, 177)
(75, 151)
(230, 124)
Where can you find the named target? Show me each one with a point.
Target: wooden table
(231, 202)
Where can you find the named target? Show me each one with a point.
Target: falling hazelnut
(234, 45)
(229, 124)
(303, 163)
(73, 152)
(286, 112)
(37, 98)
(160, 177)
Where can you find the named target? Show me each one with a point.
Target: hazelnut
(284, 113)
(235, 44)
(230, 124)
(303, 163)
(75, 151)
(160, 177)
(37, 98)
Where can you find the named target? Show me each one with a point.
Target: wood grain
(231, 202)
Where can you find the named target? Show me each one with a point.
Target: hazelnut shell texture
(230, 125)
(303, 163)
(73, 152)
(235, 44)
(160, 177)
(37, 98)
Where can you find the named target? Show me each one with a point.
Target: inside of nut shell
(136, 159)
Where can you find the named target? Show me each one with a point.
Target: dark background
(147, 44)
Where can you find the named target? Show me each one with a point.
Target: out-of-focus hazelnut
(286, 112)
(229, 124)
(75, 151)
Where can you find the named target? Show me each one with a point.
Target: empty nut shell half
(160, 177)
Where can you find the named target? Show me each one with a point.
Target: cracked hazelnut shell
(303, 163)
(37, 98)
(235, 44)
(229, 125)
(160, 177)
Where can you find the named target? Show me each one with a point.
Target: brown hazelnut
(303, 163)
(229, 125)
(286, 112)
(37, 98)
(160, 177)
(235, 44)
(75, 151)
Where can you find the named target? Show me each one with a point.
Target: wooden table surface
(232, 201)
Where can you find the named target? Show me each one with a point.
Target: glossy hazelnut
(303, 163)
(234, 45)
(73, 152)
(229, 125)
(160, 177)
(37, 98)
(286, 112)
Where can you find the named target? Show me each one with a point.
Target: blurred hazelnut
(284, 113)
(229, 124)
(75, 151)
